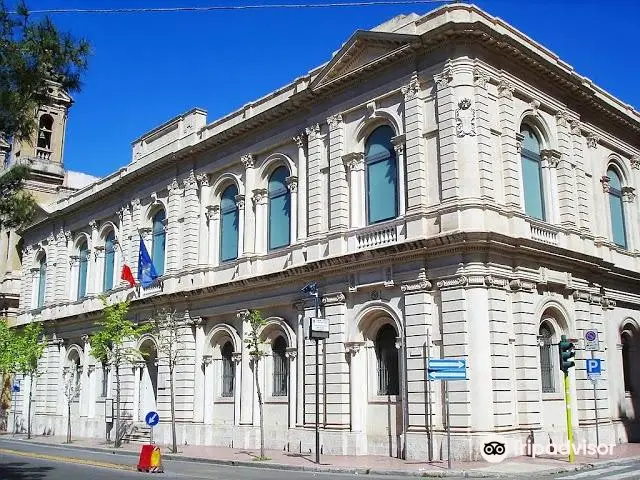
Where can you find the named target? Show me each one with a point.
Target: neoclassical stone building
(455, 189)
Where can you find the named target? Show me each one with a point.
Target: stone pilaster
(302, 186)
(61, 271)
(415, 153)
(484, 137)
(336, 369)
(316, 204)
(190, 235)
(567, 185)
(204, 243)
(184, 373)
(583, 177)
(198, 372)
(52, 253)
(354, 163)
(134, 238)
(510, 157)
(247, 390)
(339, 191)
(446, 106)
(249, 212)
(175, 219)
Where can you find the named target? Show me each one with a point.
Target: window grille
(228, 370)
(280, 367)
(387, 360)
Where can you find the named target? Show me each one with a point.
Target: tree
(168, 330)
(7, 367)
(71, 391)
(30, 346)
(34, 53)
(255, 347)
(17, 206)
(111, 345)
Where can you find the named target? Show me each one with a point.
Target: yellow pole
(567, 399)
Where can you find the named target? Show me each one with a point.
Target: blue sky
(147, 68)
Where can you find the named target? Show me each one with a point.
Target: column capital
(313, 131)
(480, 78)
(195, 321)
(239, 201)
(291, 353)
(606, 183)
(411, 90)
(207, 359)
(635, 162)
(247, 160)
(398, 143)
(203, 179)
(292, 183)
(93, 224)
(299, 139)
(505, 89)
(237, 357)
(551, 156)
(334, 121)
(242, 314)
(444, 78)
(592, 140)
(259, 196)
(628, 194)
(213, 212)
(174, 187)
(352, 348)
(354, 160)
(562, 117)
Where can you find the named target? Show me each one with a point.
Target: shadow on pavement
(22, 471)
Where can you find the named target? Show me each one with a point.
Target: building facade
(455, 190)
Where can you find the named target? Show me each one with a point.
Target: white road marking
(593, 473)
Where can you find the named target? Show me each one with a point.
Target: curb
(345, 470)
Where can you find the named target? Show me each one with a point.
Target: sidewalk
(369, 464)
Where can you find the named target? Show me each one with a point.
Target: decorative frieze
(592, 140)
(444, 78)
(607, 303)
(522, 285)
(247, 160)
(333, 298)
(416, 286)
(581, 296)
(465, 118)
(480, 78)
(453, 282)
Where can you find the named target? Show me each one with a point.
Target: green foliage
(8, 340)
(108, 344)
(17, 206)
(253, 341)
(33, 53)
(30, 346)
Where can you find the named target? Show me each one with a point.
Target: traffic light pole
(566, 362)
(567, 399)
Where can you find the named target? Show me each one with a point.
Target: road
(20, 460)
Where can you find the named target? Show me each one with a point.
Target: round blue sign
(590, 335)
(152, 419)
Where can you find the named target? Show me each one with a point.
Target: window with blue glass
(42, 280)
(229, 218)
(158, 241)
(618, 228)
(279, 209)
(532, 174)
(109, 261)
(381, 176)
(83, 259)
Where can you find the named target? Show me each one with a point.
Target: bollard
(150, 459)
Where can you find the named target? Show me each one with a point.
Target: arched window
(618, 228)
(532, 174)
(229, 218)
(279, 209)
(382, 176)
(45, 128)
(158, 241)
(387, 359)
(104, 390)
(109, 261)
(627, 340)
(280, 367)
(41, 281)
(228, 370)
(83, 259)
(547, 370)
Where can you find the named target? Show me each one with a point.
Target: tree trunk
(117, 440)
(255, 373)
(174, 445)
(29, 406)
(68, 420)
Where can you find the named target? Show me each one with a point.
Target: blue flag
(146, 271)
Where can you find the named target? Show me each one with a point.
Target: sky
(147, 68)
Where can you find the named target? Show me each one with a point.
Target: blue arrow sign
(16, 387)
(440, 364)
(152, 419)
(448, 375)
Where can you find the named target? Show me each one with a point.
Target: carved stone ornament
(480, 78)
(259, 195)
(444, 78)
(505, 89)
(174, 187)
(371, 109)
(635, 162)
(93, 225)
(465, 118)
(534, 105)
(135, 203)
(292, 183)
(190, 183)
(203, 179)
(398, 143)
(416, 286)
(562, 117)
(412, 90)
(333, 298)
(334, 121)
(354, 160)
(519, 140)
(195, 321)
(576, 128)
(628, 194)
(206, 360)
(592, 140)
(247, 160)
(242, 314)
(552, 157)
(291, 353)
(61, 237)
(460, 281)
(313, 131)
(352, 348)
(299, 140)
(213, 212)
(606, 184)
(239, 201)
(237, 357)
(518, 284)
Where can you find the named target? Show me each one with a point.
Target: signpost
(108, 416)
(591, 340)
(594, 370)
(15, 389)
(152, 418)
(447, 369)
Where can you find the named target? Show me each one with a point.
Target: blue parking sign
(594, 367)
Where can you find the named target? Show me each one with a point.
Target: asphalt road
(623, 471)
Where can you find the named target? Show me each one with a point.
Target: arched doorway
(148, 378)
(630, 404)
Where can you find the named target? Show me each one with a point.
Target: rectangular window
(158, 251)
(229, 236)
(547, 368)
(279, 375)
(279, 222)
(105, 381)
(617, 221)
(107, 283)
(228, 374)
(382, 191)
(532, 185)
(41, 284)
(82, 279)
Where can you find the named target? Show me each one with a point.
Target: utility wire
(237, 7)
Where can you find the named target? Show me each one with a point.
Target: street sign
(591, 340)
(108, 410)
(594, 367)
(152, 419)
(318, 328)
(16, 388)
(447, 369)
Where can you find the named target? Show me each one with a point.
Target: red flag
(127, 275)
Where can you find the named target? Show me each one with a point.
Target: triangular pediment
(364, 50)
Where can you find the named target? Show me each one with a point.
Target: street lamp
(318, 328)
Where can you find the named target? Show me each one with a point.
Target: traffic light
(567, 353)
